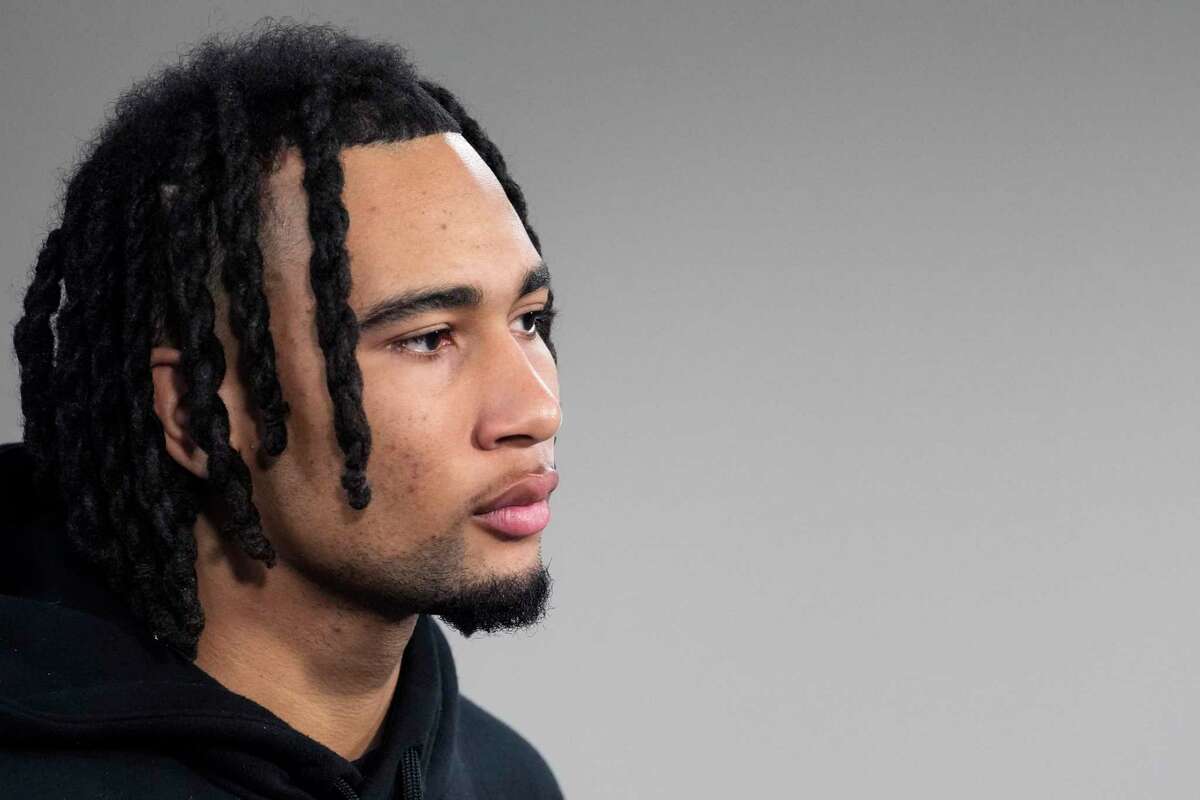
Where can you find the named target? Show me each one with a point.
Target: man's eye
(540, 319)
(423, 338)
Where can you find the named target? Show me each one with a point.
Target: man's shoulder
(43, 774)
(501, 761)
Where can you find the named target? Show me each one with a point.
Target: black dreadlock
(169, 189)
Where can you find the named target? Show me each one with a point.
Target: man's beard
(499, 603)
(434, 581)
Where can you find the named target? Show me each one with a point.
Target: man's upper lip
(528, 490)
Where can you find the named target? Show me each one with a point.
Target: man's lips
(523, 508)
(518, 520)
(524, 492)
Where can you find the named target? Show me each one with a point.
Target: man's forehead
(429, 208)
(435, 159)
(424, 162)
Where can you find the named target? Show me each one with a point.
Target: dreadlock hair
(164, 203)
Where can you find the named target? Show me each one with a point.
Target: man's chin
(499, 603)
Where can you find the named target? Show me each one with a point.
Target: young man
(288, 390)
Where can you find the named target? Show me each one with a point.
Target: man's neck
(324, 669)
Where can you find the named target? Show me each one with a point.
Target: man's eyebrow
(414, 302)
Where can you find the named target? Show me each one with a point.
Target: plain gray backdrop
(880, 451)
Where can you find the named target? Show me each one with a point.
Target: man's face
(447, 433)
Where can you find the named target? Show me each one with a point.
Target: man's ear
(169, 387)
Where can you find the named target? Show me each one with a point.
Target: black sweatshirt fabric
(92, 706)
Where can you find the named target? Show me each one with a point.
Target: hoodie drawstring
(345, 788)
(410, 774)
(411, 779)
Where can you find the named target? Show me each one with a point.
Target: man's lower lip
(517, 520)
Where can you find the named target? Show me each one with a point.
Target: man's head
(264, 206)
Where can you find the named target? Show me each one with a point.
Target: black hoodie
(92, 706)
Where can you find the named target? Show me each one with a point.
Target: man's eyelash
(543, 319)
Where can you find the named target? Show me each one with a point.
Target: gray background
(881, 448)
